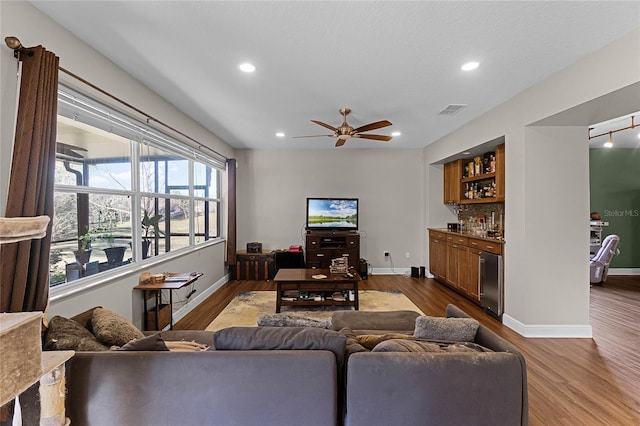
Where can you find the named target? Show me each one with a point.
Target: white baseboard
(193, 302)
(548, 330)
(624, 271)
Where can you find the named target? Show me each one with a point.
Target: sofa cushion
(113, 329)
(149, 343)
(404, 345)
(369, 322)
(352, 345)
(446, 329)
(67, 334)
(280, 338)
(466, 347)
(284, 320)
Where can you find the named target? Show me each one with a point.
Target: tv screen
(332, 213)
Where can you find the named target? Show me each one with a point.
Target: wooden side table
(161, 314)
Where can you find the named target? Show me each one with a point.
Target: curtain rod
(18, 49)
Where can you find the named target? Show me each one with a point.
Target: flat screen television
(336, 214)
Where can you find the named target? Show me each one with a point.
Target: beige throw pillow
(113, 329)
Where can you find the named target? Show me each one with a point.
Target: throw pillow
(404, 345)
(369, 341)
(283, 320)
(67, 334)
(446, 329)
(149, 343)
(112, 329)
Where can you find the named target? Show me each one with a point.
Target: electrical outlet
(407, 255)
(386, 253)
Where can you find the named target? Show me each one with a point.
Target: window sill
(63, 291)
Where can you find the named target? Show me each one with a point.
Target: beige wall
(32, 28)
(546, 262)
(273, 186)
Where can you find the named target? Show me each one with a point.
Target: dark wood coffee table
(303, 281)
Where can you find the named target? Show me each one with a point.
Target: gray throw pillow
(446, 329)
(284, 320)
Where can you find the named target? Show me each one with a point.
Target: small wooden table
(173, 281)
(302, 281)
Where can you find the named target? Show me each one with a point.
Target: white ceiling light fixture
(395, 134)
(280, 134)
(609, 143)
(247, 67)
(470, 66)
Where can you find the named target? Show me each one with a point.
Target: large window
(124, 192)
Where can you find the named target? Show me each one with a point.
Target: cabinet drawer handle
(474, 244)
(489, 247)
(455, 246)
(320, 255)
(345, 254)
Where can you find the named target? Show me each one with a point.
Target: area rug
(247, 307)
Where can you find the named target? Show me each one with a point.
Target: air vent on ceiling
(452, 109)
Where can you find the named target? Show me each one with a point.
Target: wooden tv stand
(322, 246)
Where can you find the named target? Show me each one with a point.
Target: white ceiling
(392, 60)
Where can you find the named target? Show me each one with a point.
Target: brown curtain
(231, 219)
(24, 271)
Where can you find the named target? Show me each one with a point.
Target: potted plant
(83, 254)
(150, 229)
(114, 253)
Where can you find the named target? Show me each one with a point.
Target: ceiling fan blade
(313, 136)
(340, 142)
(325, 125)
(383, 138)
(373, 126)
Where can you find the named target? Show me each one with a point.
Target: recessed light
(280, 134)
(247, 67)
(469, 66)
(466, 153)
(396, 134)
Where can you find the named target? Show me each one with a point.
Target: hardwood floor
(571, 381)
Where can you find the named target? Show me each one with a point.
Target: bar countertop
(469, 234)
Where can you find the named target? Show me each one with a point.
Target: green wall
(614, 176)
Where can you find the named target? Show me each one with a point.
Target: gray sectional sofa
(297, 376)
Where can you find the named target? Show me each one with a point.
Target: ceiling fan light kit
(345, 131)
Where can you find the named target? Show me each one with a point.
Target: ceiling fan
(345, 132)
